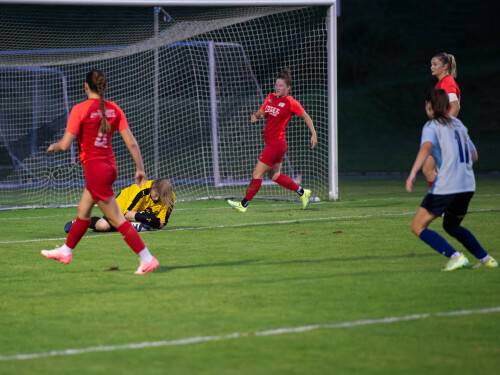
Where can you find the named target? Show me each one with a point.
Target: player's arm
(473, 151)
(423, 153)
(63, 144)
(147, 218)
(309, 123)
(133, 147)
(163, 215)
(454, 108)
(257, 115)
(474, 156)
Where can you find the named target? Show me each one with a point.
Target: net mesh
(188, 80)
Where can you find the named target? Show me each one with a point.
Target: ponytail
(448, 59)
(452, 68)
(97, 83)
(438, 99)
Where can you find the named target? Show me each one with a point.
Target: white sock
(145, 255)
(455, 255)
(485, 258)
(65, 250)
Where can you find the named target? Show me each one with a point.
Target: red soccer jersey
(278, 112)
(85, 120)
(448, 84)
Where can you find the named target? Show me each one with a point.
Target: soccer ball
(140, 227)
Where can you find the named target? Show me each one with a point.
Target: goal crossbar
(228, 85)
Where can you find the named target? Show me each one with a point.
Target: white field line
(279, 222)
(253, 207)
(280, 331)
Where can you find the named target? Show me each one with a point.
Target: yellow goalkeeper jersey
(135, 198)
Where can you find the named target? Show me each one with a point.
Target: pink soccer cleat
(57, 255)
(146, 267)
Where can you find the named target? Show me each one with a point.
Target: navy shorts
(456, 204)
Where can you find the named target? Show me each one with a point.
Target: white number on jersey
(101, 140)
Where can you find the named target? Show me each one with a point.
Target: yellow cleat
(305, 198)
(236, 205)
(489, 262)
(456, 263)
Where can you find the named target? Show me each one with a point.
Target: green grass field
(336, 269)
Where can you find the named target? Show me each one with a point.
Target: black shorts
(456, 204)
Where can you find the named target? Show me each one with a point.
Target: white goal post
(188, 75)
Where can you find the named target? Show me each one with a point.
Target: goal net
(188, 80)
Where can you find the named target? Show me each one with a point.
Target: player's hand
(52, 149)
(254, 117)
(148, 219)
(314, 141)
(410, 181)
(140, 178)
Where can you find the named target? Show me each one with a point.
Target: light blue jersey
(451, 147)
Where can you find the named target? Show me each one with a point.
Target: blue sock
(437, 242)
(467, 239)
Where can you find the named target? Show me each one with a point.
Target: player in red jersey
(278, 109)
(444, 68)
(94, 122)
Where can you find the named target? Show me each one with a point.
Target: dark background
(384, 53)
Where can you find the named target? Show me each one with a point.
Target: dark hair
(447, 58)
(97, 83)
(165, 190)
(438, 98)
(285, 76)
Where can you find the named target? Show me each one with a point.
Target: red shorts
(274, 151)
(99, 177)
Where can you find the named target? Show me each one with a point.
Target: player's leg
(253, 187)
(429, 169)
(285, 181)
(453, 217)
(111, 210)
(420, 225)
(78, 229)
(431, 208)
(101, 224)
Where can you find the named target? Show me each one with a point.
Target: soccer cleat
(236, 205)
(68, 226)
(305, 198)
(489, 262)
(146, 267)
(57, 255)
(456, 263)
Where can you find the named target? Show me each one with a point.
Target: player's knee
(451, 223)
(102, 226)
(417, 228)
(429, 173)
(274, 176)
(257, 175)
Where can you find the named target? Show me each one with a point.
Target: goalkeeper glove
(148, 219)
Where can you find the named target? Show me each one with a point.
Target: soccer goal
(188, 75)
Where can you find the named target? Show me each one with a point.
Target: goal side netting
(188, 80)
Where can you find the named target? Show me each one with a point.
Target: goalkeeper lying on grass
(147, 207)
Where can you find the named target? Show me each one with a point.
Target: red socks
(253, 188)
(283, 180)
(128, 232)
(131, 236)
(76, 232)
(287, 182)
